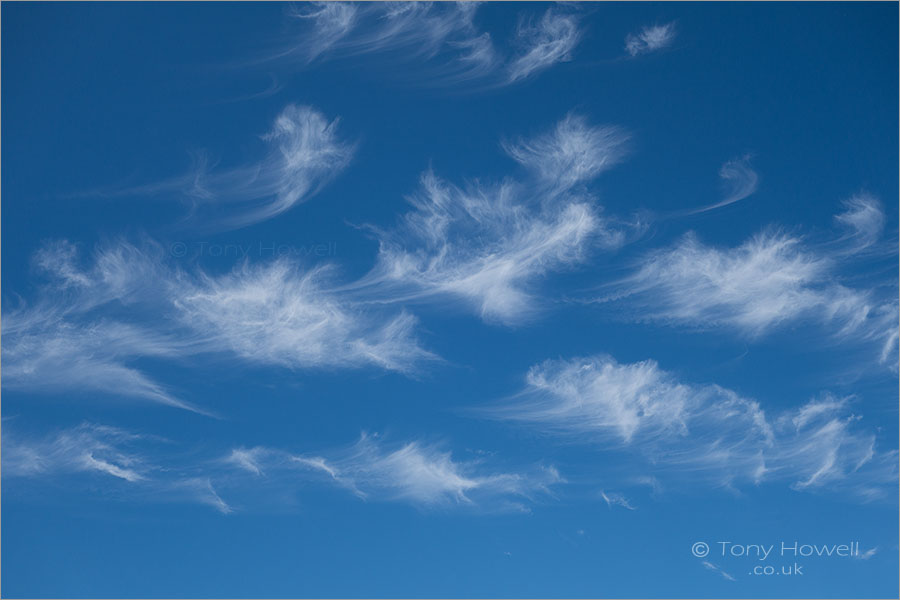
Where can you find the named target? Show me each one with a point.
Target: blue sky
(498, 300)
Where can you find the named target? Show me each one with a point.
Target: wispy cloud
(771, 279)
(85, 448)
(332, 22)
(64, 342)
(480, 246)
(305, 154)
(574, 152)
(196, 489)
(489, 244)
(91, 324)
(862, 220)
(616, 499)
(421, 29)
(741, 181)
(442, 37)
(279, 314)
(821, 442)
(701, 433)
(650, 39)
(304, 151)
(544, 44)
(247, 459)
(753, 287)
(421, 474)
(52, 355)
(716, 569)
(148, 473)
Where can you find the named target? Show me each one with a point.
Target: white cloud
(59, 260)
(304, 153)
(705, 430)
(819, 441)
(771, 279)
(650, 39)
(416, 473)
(717, 569)
(489, 244)
(477, 58)
(421, 474)
(90, 325)
(281, 315)
(62, 344)
(417, 28)
(863, 219)
(616, 499)
(195, 489)
(573, 153)
(247, 459)
(481, 246)
(544, 44)
(58, 356)
(85, 448)
(740, 179)
(753, 287)
(442, 36)
(700, 433)
(152, 471)
(333, 21)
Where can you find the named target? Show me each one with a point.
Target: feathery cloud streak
(863, 221)
(550, 41)
(144, 468)
(741, 181)
(415, 473)
(488, 244)
(91, 324)
(442, 36)
(649, 39)
(84, 448)
(701, 433)
(574, 152)
(771, 279)
(485, 244)
(64, 342)
(304, 152)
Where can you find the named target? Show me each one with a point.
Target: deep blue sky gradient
(104, 95)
